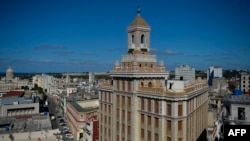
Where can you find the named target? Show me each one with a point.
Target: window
(149, 120)
(149, 135)
(142, 118)
(109, 97)
(129, 102)
(150, 84)
(142, 39)
(180, 110)
(179, 125)
(142, 84)
(169, 125)
(117, 113)
(117, 100)
(149, 105)
(123, 115)
(142, 104)
(123, 85)
(129, 86)
(169, 111)
(123, 128)
(241, 113)
(117, 126)
(129, 116)
(109, 109)
(133, 39)
(123, 100)
(129, 130)
(117, 83)
(156, 106)
(142, 133)
(157, 122)
(156, 137)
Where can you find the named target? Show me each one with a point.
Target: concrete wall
(234, 111)
(4, 110)
(43, 135)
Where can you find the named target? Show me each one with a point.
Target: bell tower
(138, 35)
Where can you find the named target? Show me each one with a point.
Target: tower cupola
(138, 35)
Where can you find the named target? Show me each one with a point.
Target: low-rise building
(184, 72)
(14, 103)
(245, 82)
(237, 109)
(79, 113)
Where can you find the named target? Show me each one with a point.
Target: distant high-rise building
(245, 82)
(91, 77)
(184, 72)
(214, 72)
(139, 103)
(9, 74)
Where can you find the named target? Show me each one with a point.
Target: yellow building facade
(141, 104)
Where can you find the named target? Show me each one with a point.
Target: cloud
(64, 53)
(115, 49)
(167, 52)
(210, 59)
(33, 61)
(88, 53)
(244, 49)
(193, 55)
(74, 59)
(48, 47)
(4, 59)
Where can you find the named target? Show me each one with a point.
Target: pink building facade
(78, 114)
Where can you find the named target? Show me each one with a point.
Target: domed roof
(9, 69)
(139, 21)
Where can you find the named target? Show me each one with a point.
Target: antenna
(138, 7)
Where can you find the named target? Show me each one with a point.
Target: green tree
(11, 137)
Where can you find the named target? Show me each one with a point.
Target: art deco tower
(139, 105)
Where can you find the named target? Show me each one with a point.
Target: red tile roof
(14, 93)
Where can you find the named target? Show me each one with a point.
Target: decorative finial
(138, 10)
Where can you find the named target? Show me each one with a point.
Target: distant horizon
(89, 36)
(109, 71)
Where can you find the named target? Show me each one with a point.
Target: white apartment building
(245, 82)
(214, 72)
(185, 72)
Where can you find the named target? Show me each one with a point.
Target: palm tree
(11, 137)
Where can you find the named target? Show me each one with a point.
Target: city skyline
(80, 36)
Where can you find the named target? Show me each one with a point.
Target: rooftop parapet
(188, 89)
(107, 84)
(139, 70)
(138, 58)
(237, 99)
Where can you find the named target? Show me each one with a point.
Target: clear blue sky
(90, 35)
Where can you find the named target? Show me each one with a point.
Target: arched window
(133, 39)
(149, 84)
(142, 84)
(142, 38)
